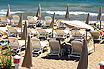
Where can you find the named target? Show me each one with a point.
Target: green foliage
(5, 58)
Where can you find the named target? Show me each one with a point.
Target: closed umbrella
(67, 12)
(27, 61)
(83, 62)
(87, 20)
(20, 23)
(38, 14)
(24, 34)
(52, 23)
(8, 11)
(99, 17)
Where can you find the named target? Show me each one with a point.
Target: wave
(4, 11)
(72, 12)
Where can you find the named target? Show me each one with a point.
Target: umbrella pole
(86, 34)
(10, 20)
(21, 31)
(52, 33)
(100, 24)
(25, 45)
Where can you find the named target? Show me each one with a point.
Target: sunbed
(15, 44)
(16, 19)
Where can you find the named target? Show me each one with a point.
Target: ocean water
(78, 9)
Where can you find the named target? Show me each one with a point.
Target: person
(38, 24)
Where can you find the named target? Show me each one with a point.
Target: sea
(78, 9)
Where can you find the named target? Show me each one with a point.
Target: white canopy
(77, 24)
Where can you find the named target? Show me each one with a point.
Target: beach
(93, 61)
(57, 36)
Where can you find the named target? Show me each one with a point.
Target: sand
(93, 61)
(43, 63)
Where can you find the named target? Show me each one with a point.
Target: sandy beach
(51, 34)
(93, 61)
(53, 62)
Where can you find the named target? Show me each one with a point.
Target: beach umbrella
(27, 61)
(8, 11)
(99, 17)
(38, 14)
(20, 23)
(83, 62)
(52, 23)
(87, 20)
(67, 12)
(24, 34)
(77, 24)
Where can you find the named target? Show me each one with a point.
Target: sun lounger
(48, 21)
(1, 16)
(36, 45)
(42, 33)
(31, 21)
(96, 35)
(55, 48)
(12, 31)
(61, 25)
(77, 47)
(16, 19)
(60, 34)
(76, 34)
(4, 20)
(15, 44)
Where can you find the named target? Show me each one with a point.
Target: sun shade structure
(67, 12)
(8, 11)
(20, 23)
(52, 23)
(87, 20)
(27, 61)
(99, 17)
(77, 24)
(38, 14)
(24, 34)
(83, 62)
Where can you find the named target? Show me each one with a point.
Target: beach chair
(29, 32)
(16, 19)
(48, 21)
(42, 33)
(31, 21)
(61, 25)
(76, 48)
(96, 35)
(1, 16)
(76, 34)
(77, 45)
(4, 20)
(60, 34)
(55, 48)
(36, 46)
(15, 44)
(12, 31)
(35, 18)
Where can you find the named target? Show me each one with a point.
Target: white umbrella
(77, 24)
